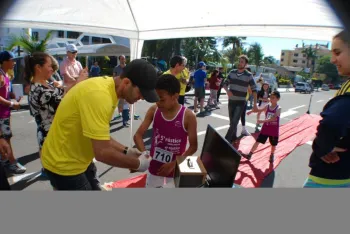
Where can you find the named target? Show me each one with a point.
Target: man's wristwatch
(125, 150)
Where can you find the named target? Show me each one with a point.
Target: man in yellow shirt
(177, 68)
(81, 131)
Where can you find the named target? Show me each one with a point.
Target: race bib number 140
(162, 156)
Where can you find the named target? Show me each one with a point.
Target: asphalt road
(292, 172)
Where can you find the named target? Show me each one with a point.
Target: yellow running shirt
(83, 114)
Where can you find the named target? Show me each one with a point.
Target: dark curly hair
(168, 83)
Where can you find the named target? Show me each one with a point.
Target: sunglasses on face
(74, 52)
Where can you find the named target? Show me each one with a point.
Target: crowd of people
(73, 117)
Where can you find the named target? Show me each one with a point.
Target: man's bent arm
(106, 153)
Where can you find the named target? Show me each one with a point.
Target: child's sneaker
(245, 132)
(16, 168)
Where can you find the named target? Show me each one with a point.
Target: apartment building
(296, 58)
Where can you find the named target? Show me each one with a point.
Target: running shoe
(16, 168)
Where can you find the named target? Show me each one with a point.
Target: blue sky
(273, 46)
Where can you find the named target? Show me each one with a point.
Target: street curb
(224, 93)
(26, 106)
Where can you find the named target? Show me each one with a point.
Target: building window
(282, 60)
(73, 35)
(61, 34)
(304, 55)
(35, 36)
(303, 61)
(282, 53)
(106, 41)
(85, 40)
(295, 61)
(96, 40)
(296, 55)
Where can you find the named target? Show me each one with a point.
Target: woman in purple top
(270, 128)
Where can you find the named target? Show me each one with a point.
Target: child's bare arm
(273, 118)
(259, 110)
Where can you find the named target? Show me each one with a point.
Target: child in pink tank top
(173, 126)
(270, 128)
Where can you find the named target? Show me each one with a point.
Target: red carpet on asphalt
(252, 173)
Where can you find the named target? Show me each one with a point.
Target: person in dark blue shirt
(95, 70)
(200, 78)
(330, 159)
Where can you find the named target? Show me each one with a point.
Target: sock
(243, 128)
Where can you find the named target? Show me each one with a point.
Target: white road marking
(32, 121)
(309, 142)
(298, 107)
(228, 119)
(320, 101)
(19, 112)
(27, 176)
(288, 113)
(217, 129)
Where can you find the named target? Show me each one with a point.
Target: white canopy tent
(141, 20)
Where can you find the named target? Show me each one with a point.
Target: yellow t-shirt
(83, 114)
(184, 74)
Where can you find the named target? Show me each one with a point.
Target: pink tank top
(271, 128)
(169, 140)
(5, 111)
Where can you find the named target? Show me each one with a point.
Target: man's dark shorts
(199, 92)
(85, 181)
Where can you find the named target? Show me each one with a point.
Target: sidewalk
(25, 106)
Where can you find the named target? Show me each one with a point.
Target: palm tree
(255, 54)
(237, 45)
(269, 60)
(29, 43)
(310, 57)
(201, 48)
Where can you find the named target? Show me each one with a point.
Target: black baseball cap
(6, 56)
(143, 75)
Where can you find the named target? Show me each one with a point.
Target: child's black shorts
(263, 138)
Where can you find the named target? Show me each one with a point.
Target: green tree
(326, 67)
(310, 57)
(29, 43)
(269, 60)
(200, 49)
(236, 46)
(255, 54)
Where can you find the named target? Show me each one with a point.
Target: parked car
(303, 87)
(337, 86)
(331, 86)
(325, 87)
